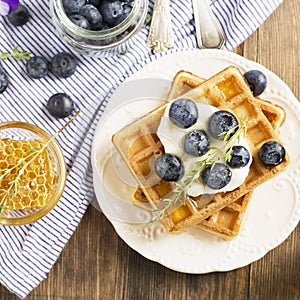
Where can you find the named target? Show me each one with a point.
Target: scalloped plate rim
(241, 62)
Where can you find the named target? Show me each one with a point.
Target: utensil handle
(161, 35)
(208, 31)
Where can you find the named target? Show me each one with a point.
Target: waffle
(227, 221)
(184, 81)
(34, 186)
(139, 146)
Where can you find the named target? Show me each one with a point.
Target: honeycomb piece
(26, 178)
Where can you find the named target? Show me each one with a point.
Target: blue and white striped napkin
(27, 253)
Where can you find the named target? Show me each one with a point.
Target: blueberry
(169, 167)
(222, 121)
(128, 3)
(72, 6)
(60, 105)
(112, 12)
(93, 2)
(183, 113)
(217, 177)
(105, 26)
(196, 143)
(3, 80)
(257, 81)
(19, 16)
(92, 14)
(37, 67)
(127, 7)
(271, 153)
(240, 157)
(63, 64)
(80, 21)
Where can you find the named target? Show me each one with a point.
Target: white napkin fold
(28, 252)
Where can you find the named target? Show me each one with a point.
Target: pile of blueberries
(183, 113)
(97, 15)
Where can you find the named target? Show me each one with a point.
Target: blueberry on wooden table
(60, 105)
(216, 177)
(19, 16)
(183, 113)
(37, 67)
(221, 122)
(257, 81)
(271, 153)
(169, 167)
(63, 64)
(196, 143)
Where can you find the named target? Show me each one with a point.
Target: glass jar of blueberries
(99, 28)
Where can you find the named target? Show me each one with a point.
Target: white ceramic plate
(274, 210)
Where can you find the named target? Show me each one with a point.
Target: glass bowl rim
(62, 171)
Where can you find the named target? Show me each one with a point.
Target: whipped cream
(172, 138)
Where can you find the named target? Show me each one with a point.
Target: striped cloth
(28, 252)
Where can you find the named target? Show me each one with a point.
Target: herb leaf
(148, 20)
(209, 159)
(19, 55)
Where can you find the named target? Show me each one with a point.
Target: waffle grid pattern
(226, 90)
(226, 222)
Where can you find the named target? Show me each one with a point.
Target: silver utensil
(161, 35)
(208, 31)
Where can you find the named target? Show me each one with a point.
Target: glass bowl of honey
(32, 173)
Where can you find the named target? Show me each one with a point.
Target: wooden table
(97, 265)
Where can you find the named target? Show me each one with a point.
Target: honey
(180, 214)
(27, 174)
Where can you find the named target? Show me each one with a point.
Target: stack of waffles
(223, 213)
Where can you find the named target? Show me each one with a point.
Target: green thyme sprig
(231, 138)
(11, 192)
(160, 213)
(125, 51)
(19, 55)
(24, 162)
(21, 162)
(179, 191)
(15, 183)
(148, 20)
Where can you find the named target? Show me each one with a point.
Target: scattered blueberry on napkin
(28, 252)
